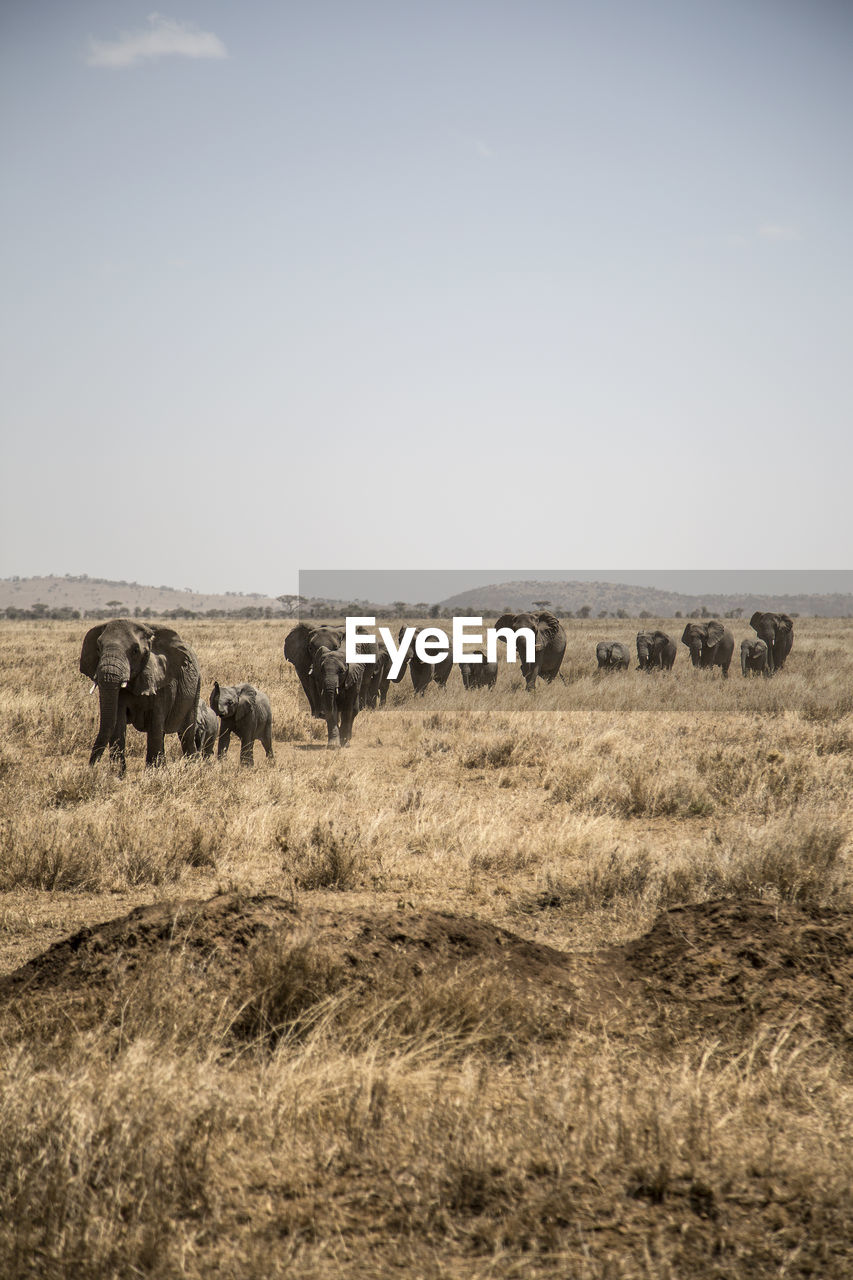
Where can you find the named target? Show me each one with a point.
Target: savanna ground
(513, 987)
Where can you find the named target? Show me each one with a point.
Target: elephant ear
(785, 623)
(296, 644)
(214, 696)
(245, 702)
(90, 653)
(354, 675)
(715, 631)
(152, 678)
(755, 620)
(180, 663)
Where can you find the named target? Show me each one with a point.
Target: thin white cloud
(162, 38)
(777, 231)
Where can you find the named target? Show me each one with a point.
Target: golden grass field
(292, 1094)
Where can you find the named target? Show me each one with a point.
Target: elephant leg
(189, 745)
(247, 751)
(117, 743)
(348, 714)
(155, 754)
(224, 741)
(266, 741)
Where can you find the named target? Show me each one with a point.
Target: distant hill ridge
(84, 594)
(93, 595)
(515, 597)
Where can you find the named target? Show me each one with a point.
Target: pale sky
(349, 284)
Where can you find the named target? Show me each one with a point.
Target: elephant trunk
(108, 695)
(696, 653)
(329, 705)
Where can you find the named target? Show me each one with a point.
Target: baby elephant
(753, 658)
(612, 655)
(479, 675)
(244, 710)
(206, 729)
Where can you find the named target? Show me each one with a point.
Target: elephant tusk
(93, 688)
(123, 684)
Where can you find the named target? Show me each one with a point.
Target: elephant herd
(150, 678)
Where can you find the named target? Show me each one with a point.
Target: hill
(513, 597)
(87, 594)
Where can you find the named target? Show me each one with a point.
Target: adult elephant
(300, 647)
(612, 655)
(777, 632)
(337, 686)
(656, 651)
(550, 644)
(710, 644)
(423, 673)
(147, 677)
(753, 657)
(478, 675)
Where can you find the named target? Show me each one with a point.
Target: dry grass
(452, 1129)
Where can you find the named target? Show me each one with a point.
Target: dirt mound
(727, 965)
(731, 964)
(213, 950)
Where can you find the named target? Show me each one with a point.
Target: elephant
(423, 673)
(244, 710)
(478, 675)
(377, 677)
(753, 657)
(656, 651)
(710, 644)
(300, 647)
(337, 689)
(612, 655)
(206, 729)
(777, 632)
(147, 677)
(550, 644)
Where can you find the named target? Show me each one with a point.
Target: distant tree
(289, 604)
(399, 607)
(604, 614)
(585, 610)
(644, 614)
(435, 611)
(621, 613)
(678, 614)
(541, 604)
(114, 604)
(421, 608)
(704, 613)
